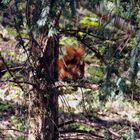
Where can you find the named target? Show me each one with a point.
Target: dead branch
(5, 129)
(95, 121)
(82, 83)
(93, 134)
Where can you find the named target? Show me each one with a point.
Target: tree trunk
(43, 98)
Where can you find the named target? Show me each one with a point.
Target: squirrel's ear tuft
(70, 51)
(80, 51)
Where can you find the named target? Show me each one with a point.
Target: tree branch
(93, 134)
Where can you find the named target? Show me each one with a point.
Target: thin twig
(13, 130)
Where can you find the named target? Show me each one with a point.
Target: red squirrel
(71, 66)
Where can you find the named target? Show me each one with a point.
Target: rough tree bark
(44, 50)
(43, 99)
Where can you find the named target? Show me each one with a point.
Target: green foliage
(6, 75)
(130, 135)
(52, 32)
(17, 122)
(70, 7)
(11, 31)
(106, 134)
(5, 1)
(68, 41)
(47, 12)
(12, 53)
(80, 126)
(12, 137)
(43, 17)
(127, 9)
(134, 59)
(90, 103)
(5, 106)
(117, 127)
(90, 20)
(96, 73)
(3, 4)
(20, 138)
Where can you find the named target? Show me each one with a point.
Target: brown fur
(71, 66)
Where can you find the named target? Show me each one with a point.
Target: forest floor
(115, 120)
